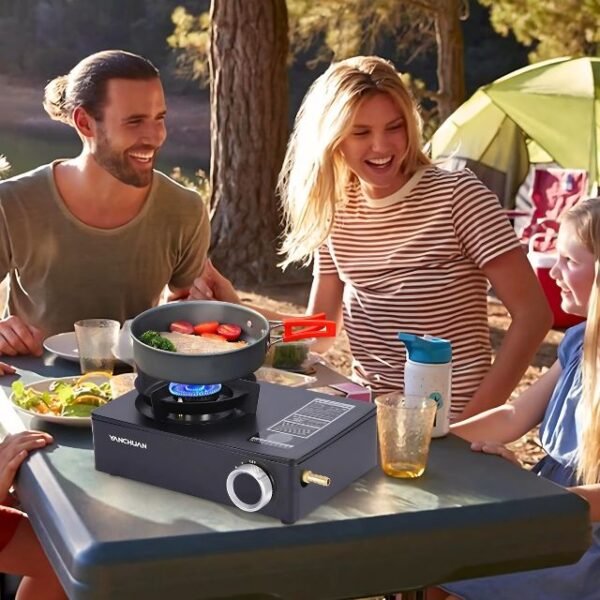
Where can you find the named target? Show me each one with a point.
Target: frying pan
(224, 366)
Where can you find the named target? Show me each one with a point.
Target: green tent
(548, 112)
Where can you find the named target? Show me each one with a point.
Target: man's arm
(325, 297)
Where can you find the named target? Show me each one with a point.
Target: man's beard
(117, 164)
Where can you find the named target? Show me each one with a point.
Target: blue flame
(193, 390)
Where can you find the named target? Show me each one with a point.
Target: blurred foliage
(552, 28)
(337, 29)
(199, 183)
(192, 37)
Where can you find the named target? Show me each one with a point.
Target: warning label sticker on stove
(311, 418)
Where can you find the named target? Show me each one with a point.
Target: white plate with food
(63, 400)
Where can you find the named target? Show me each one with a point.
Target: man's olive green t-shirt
(62, 270)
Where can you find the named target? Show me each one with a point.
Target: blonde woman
(399, 244)
(566, 400)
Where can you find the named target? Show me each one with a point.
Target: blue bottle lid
(426, 349)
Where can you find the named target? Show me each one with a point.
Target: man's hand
(13, 451)
(17, 337)
(211, 285)
(6, 369)
(175, 295)
(495, 448)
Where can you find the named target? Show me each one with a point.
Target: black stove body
(265, 448)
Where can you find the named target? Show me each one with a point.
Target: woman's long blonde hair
(585, 220)
(315, 176)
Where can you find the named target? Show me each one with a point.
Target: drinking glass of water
(96, 339)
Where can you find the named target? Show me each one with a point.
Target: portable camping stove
(262, 447)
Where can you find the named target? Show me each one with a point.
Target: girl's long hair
(585, 219)
(315, 177)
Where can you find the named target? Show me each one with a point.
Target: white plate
(123, 350)
(43, 385)
(63, 345)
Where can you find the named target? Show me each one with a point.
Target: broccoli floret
(155, 340)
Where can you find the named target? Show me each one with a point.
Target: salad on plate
(64, 397)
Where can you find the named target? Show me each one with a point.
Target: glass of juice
(96, 339)
(404, 426)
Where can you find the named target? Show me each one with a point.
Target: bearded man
(99, 235)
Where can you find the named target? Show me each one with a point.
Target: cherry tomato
(207, 327)
(229, 331)
(214, 336)
(181, 327)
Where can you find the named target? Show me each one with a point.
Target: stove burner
(193, 390)
(195, 404)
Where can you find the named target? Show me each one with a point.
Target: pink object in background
(353, 391)
(553, 193)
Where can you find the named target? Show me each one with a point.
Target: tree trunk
(450, 57)
(248, 70)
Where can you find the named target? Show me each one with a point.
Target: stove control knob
(249, 487)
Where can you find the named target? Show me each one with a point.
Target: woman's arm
(516, 286)
(591, 493)
(326, 296)
(507, 423)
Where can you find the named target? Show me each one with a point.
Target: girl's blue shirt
(560, 431)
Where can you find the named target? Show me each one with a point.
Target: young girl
(20, 551)
(566, 400)
(399, 245)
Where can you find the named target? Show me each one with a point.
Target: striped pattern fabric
(412, 262)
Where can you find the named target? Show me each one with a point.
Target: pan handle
(309, 328)
(302, 328)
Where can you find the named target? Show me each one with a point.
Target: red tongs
(310, 326)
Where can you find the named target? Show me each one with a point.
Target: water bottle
(428, 373)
